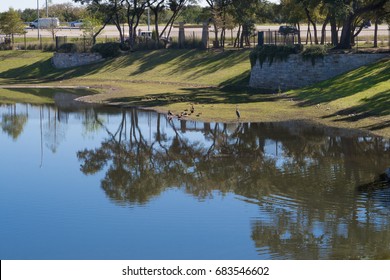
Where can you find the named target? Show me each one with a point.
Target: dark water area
(103, 183)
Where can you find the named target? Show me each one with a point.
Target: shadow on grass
(346, 85)
(378, 126)
(178, 62)
(43, 72)
(204, 95)
(198, 63)
(206, 64)
(377, 105)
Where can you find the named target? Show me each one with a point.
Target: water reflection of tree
(12, 122)
(304, 187)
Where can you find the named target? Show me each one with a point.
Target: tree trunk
(299, 34)
(242, 37)
(376, 33)
(118, 27)
(323, 30)
(223, 32)
(345, 38)
(94, 36)
(216, 41)
(236, 41)
(334, 31)
(310, 19)
(156, 27)
(308, 33)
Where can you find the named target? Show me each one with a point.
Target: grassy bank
(215, 83)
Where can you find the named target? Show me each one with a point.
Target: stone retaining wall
(66, 60)
(296, 72)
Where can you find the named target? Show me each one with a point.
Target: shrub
(110, 49)
(272, 52)
(5, 47)
(146, 44)
(314, 52)
(67, 48)
(49, 47)
(189, 43)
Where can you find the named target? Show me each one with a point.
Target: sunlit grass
(214, 82)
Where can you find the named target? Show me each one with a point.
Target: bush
(147, 44)
(272, 52)
(49, 47)
(189, 43)
(314, 52)
(67, 48)
(5, 47)
(110, 49)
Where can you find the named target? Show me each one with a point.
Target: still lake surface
(103, 183)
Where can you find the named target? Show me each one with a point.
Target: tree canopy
(11, 23)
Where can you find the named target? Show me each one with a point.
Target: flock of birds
(191, 111)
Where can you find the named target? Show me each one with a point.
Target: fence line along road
(111, 31)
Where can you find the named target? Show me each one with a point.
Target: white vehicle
(77, 23)
(45, 23)
(145, 34)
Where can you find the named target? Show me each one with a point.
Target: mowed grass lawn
(215, 82)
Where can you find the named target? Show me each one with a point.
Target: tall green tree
(355, 9)
(293, 13)
(244, 13)
(218, 12)
(28, 15)
(108, 10)
(11, 24)
(66, 12)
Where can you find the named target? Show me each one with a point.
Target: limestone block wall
(66, 60)
(296, 72)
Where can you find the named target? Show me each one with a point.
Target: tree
(176, 7)
(156, 6)
(66, 12)
(312, 9)
(356, 9)
(28, 15)
(92, 27)
(11, 24)
(194, 14)
(218, 12)
(244, 14)
(134, 10)
(107, 10)
(293, 13)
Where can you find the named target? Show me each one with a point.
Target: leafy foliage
(110, 49)
(11, 24)
(272, 52)
(314, 52)
(67, 48)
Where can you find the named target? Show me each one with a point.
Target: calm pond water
(103, 183)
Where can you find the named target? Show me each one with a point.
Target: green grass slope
(162, 66)
(358, 95)
(215, 82)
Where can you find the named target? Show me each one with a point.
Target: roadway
(110, 31)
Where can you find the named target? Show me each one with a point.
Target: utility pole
(148, 18)
(47, 10)
(38, 17)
